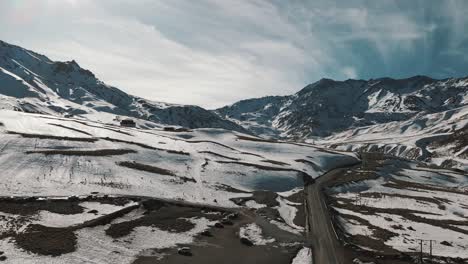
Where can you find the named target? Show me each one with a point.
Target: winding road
(326, 247)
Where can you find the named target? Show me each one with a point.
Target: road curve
(326, 247)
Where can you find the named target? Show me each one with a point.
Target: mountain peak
(329, 106)
(32, 82)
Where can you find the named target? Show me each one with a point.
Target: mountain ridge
(413, 101)
(32, 82)
(417, 117)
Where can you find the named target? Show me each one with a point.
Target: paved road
(326, 248)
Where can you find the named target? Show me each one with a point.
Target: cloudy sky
(215, 52)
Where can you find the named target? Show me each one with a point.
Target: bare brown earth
(218, 155)
(256, 139)
(220, 244)
(145, 167)
(152, 169)
(30, 206)
(44, 240)
(71, 128)
(146, 146)
(275, 162)
(96, 152)
(40, 136)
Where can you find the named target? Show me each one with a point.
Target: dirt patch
(32, 206)
(152, 169)
(276, 162)
(146, 146)
(144, 167)
(252, 154)
(258, 166)
(119, 201)
(171, 225)
(211, 142)
(177, 152)
(106, 219)
(297, 197)
(300, 218)
(168, 218)
(217, 155)
(71, 128)
(44, 240)
(267, 198)
(185, 136)
(39, 136)
(176, 129)
(255, 139)
(105, 127)
(96, 152)
(228, 188)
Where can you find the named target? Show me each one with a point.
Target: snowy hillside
(48, 156)
(439, 138)
(31, 82)
(427, 117)
(91, 192)
(418, 118)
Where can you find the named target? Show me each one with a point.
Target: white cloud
(214, 52)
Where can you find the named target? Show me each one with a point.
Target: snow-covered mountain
(418, 117)
(32, 82)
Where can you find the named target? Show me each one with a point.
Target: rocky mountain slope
(329, 106)
(418, 117)
(31, 82)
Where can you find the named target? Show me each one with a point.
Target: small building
(128, 123)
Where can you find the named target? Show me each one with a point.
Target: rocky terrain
(415, 118)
